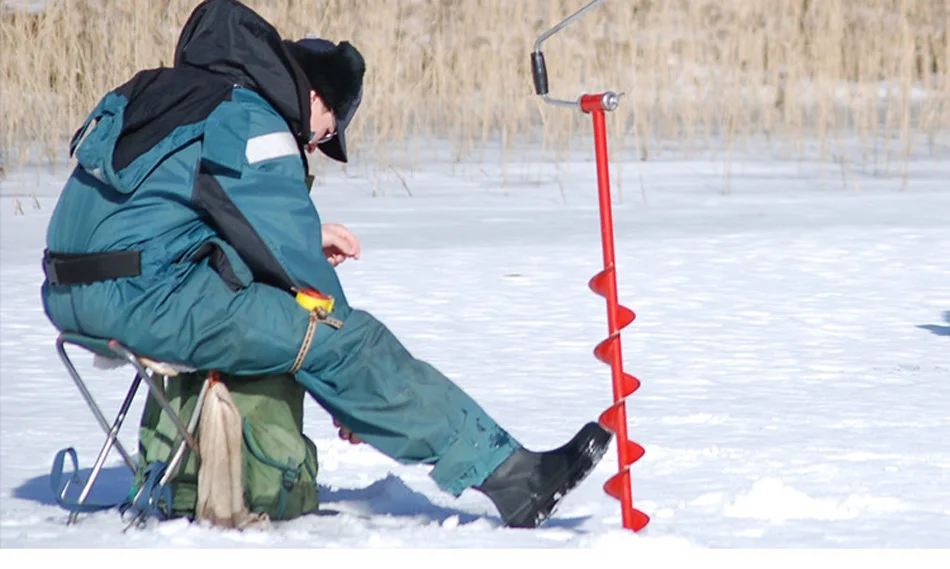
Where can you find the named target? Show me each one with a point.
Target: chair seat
(101, 348)
(98, 346)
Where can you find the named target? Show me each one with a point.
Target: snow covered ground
(793, 340)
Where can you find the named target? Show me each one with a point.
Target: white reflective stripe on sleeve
(270, 146)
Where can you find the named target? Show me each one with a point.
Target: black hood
(229, 39)
(223, 44)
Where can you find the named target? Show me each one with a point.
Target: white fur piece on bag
(220, 476)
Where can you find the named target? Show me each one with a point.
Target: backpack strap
(147, 499)
(59, 489)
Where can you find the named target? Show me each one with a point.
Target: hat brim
(335, 147)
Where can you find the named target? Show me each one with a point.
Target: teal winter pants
(403, 406)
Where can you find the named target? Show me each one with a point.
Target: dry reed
(804, 76)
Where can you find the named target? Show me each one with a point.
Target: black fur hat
(335, 72)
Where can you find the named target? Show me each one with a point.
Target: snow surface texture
(793, 340)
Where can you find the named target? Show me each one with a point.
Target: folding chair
(155, 374)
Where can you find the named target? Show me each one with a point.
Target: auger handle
(539, 70)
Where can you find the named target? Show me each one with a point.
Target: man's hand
(346, 434)
(339, 243)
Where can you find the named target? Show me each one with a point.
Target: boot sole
(546, 504)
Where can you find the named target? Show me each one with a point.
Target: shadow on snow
(388, 496)
(939, 330)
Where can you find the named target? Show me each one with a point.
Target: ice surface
(792, 339)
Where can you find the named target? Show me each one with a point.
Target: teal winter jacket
(199, 168)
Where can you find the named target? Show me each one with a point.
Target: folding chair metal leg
(60, 347)
(153, 380)
(192, 425)
(111, 440)
(176, 459)
(157, 392)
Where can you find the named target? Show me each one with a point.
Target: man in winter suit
(188, 224)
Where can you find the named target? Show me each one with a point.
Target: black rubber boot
(528, 486)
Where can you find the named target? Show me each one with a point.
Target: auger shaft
(618, 317)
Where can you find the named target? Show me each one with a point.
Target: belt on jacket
(84, 268)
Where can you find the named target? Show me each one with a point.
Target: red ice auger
(604, 283)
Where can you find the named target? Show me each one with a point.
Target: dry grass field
(804, 76)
